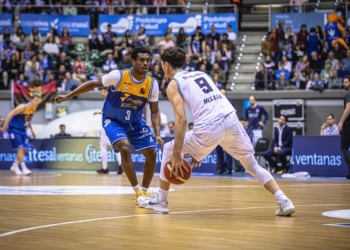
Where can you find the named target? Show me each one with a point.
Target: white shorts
(229, 134)
(103, 138)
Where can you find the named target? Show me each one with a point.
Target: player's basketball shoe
(154, 204)
(15, 168)
(102, 171)
(25, 170)
(285, 208)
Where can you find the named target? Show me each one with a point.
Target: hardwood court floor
(59, 210)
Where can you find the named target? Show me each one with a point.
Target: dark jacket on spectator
(66, 63)
(287, 137)
(316, 65)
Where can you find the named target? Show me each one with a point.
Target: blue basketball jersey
(332, 33)
(22, 120)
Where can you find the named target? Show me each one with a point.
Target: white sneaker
(152, 203)
(15, 168)
(285, 208)
(26, 171)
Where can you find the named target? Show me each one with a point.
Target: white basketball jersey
(203, 98)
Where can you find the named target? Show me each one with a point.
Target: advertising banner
(156, 25)
(77, 25)
(5, 22)
(318, 155)
(80, 154)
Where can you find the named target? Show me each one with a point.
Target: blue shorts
(19, 138)
(138, 133)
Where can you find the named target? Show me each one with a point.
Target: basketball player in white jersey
(215, 123)
(104, 142)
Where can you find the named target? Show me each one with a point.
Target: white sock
(16, 163)
(280, 196)
(23, 165)
(144, 189)
(137, 188)
(163, 195)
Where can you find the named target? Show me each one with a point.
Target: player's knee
(124, 150)
(151, 154)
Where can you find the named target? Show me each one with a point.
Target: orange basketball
(178, 180)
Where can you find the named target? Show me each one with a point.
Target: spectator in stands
(79, 63)
(269, 65)
(213, 34)
(13, 67)
(171, 127)
(217, 82)
(313, 42)
(30, 74)
(70, 9)
(316, 83)
(282, 70)
(329, 128)
(3, 135)
(341, 72)
(16, 37)
(223, 64)
(301, 64)
(279, 38)
(79, 75)
(21, 80)
(51, 48)
(338, 53)
(190, 126)
(217, 70)
(156, 61)
(158, 74)
(281, 83)
(20, 45)
(53, 33)
(61, 75)
(326, 73)
(33, 60)
(267, 46)
(95, 40)
(288, 34)
(4, 75)
(50, 77)
(37, 81)
(297, 53)
(334, 62)
(45, 63)
(167, 42)
(109, 38)
(226, 54)
(263, 79)
(181, 38)
(231, 35)
(320, 34)
(315, 63)
(57, 9)
(142, 36)
(35, 34)
(204, 60)
(66, 40)
(94, 76)
(287, 52)
(11, 50)
(346, 61)
(5, 32)
(126, 61)
(152, 45)
(302, 37)
(189, 65)
(35, 44)
(296, 5)
(211, 43)
(110, 64)
(127, 38)
(199, 33)
(69, 83)
(335, 82)
(196, 47)
(297, 82)
(135, 42)
(63, 60)
(230, 45)
(210, 54)
(62, 133)
(287, 64)
(282, 145)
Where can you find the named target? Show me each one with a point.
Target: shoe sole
(289, 212)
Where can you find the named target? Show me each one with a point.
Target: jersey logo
(125, 96)
(142, 91)
(331, 32)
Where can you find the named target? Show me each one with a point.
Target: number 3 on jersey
(128, 113)
(203, 84)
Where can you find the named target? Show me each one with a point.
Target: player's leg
(24, 139)
(149, 168)
(103, 149)
(119, 160)
(242, 149)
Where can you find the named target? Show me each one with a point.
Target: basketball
(179, 180)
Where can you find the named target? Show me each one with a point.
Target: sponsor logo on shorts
(106, 122)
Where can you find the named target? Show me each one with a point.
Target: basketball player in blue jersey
(16, 125)
(215, 123)
(129, 91)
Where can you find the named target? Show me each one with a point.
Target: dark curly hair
(137, 50)
(175, 56)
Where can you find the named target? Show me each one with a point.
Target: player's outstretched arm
(155, 118)
(180, 124)
(85, 87)
(16, 111)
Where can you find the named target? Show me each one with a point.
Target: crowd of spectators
(301, 61)
(35, 59)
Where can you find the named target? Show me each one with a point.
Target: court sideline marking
(143, 215)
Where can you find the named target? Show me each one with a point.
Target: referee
(344, 124)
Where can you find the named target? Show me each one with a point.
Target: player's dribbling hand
(177, 165)
(61, 98)
(160, 141)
